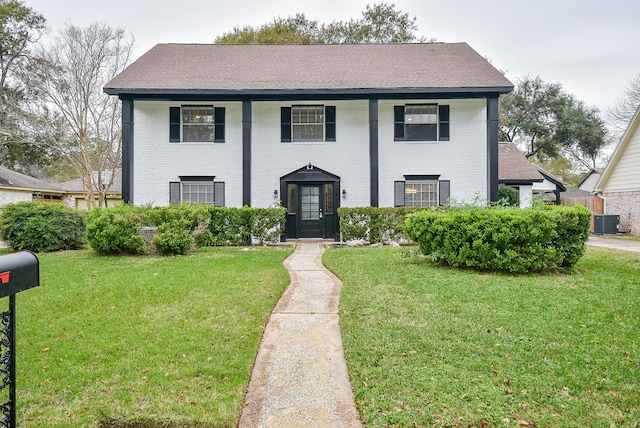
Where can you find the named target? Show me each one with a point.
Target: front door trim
(310, 175)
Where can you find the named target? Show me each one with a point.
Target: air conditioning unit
(606, 224)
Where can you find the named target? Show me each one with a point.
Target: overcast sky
(591, 47)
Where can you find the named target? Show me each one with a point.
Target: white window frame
(416, 190)
(416, 115)
(314, 117)
(203, 116)
(204, 195)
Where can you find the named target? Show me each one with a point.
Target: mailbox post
(18, 272)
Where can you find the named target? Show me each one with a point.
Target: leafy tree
(69, 112)
(551, 123)
(625, 107)
(20, 28)
(380, 23)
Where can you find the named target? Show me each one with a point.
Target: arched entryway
(311, 197)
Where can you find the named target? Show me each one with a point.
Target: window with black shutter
(308, 123)
(196, 123)
(197, 190)
(421, 191)
(421, 122)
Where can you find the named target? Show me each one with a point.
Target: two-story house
(313, 127)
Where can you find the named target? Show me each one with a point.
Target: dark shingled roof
(9, 178)
(514, 167)
(246, 69)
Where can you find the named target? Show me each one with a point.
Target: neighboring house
(530, 179)
(590, 180)
(16, 187)
(76, 189)
(619, 184)
(550, 188)
(313, 127)
(515, 170)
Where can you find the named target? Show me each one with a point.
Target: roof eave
(617, 153)
(520, 181)
(461, 92)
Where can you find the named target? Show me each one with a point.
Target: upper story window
(421, 122)
(308, 124)
(196, 123)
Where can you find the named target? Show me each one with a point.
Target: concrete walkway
(618, 244)
(300, 375)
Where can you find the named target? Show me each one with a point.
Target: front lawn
(433, 346)
(143, 341)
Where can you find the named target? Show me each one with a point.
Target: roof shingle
(513, 166)
(246, 68)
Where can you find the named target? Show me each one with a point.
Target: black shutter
(330, 123)
(218, 193)
(174, 124)
(445, 192)
(285, 124)
(398, 123)
(443, 114)
(218, 117)
(174, 193)
(398, 193)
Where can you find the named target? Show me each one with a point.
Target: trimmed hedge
(114, 230)
(41, 227)
(181, 228)
(507, 239)
(373, 224)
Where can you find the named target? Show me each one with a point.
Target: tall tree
(625, 107)
(71, 113)
(20, 28)
(380, 23)
(548, 122)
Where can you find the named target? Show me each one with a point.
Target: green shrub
(374, 224)
(194, 219)
(174, 237)
(509, 195)
(267, 224)
(242, 226)
(181, 228)
(572, 225)
(115, 230)
(42, 227)
(509, 239)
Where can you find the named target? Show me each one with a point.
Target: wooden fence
(594, 203)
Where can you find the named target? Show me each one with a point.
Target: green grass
(143, 341)
(431, 346)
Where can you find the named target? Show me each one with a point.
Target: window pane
(308, 123)
(328, 198)
(197, 193)
(197, 123)
(421, 122)
(309, 203)
(421, 132)
(421, 193)
(292, 202)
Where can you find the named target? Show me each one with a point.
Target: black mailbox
(18, 272)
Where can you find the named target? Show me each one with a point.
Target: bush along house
(313, 127)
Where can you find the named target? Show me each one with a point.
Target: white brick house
(315, 127)
(619, 184)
